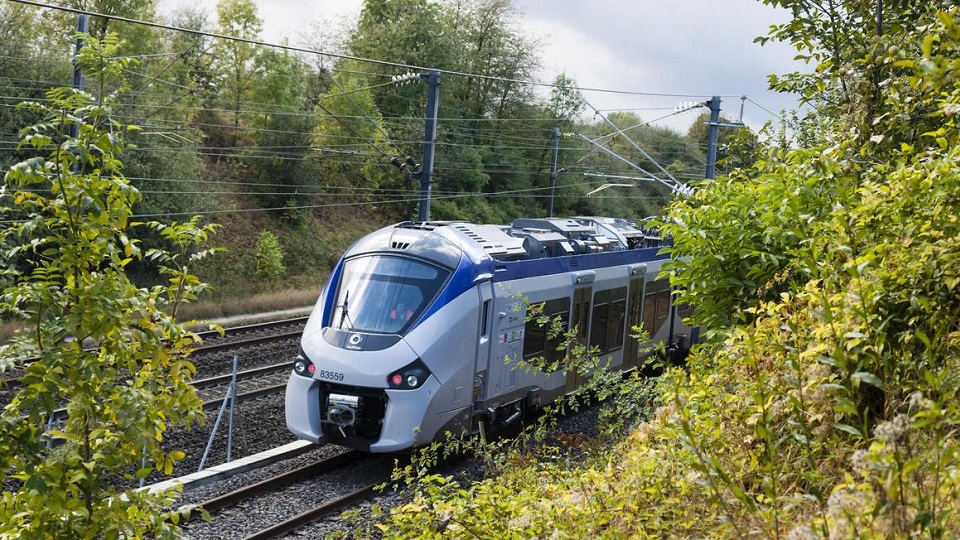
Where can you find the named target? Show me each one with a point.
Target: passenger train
(422, 328)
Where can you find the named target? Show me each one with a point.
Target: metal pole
(216, 426)
(232, 397)
(712, 140)
(233, 407)
(553, 168)
(83, 24)
(879, 17)
(429, 141)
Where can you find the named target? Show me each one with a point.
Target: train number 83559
(330, 375)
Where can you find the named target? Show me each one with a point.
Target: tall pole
(712, 139)
(429, 141)
(82, 28)
(553, 168)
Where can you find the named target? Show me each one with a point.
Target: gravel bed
(264, 354)
(253, 515)
(260, 426)
(243, 520)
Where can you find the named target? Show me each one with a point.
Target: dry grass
(258, 303)
(8, 329)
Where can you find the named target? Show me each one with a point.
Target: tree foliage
(268, 256)
(300, 138)
(108, 351)
(237, 60)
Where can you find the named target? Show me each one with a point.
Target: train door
(484, 331)
(631, 348)
(580, 319)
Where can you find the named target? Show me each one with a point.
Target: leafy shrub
(110, 351)
(268, 256)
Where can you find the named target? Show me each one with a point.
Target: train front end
(361, 378)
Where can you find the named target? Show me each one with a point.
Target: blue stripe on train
(510, 270)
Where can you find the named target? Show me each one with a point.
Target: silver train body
(422, 327)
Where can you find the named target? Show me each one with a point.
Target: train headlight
(409, 377)
(302, 366)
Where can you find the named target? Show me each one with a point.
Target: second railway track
(290, 499)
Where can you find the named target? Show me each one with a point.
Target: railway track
(251, 384)
(239, 336)
(235, 338)
(275, 374)
(305, 518)
(305, 477)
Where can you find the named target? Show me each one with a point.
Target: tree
(111, 352)
(354, 146)
(268, 256)
(566, 101)
(284, 131)
(851, 44)
(237, 60)
(403, 32)
(26, 68)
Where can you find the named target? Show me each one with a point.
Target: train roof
(524, 239)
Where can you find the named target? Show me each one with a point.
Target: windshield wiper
(343, 309)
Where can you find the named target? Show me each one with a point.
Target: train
(422, 329)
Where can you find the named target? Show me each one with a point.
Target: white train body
(422, 328)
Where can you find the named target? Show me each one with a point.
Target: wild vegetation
(110, 352)
(823, 404)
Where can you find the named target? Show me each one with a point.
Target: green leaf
(869, 378)
(846, 428)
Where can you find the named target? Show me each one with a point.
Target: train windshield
(385, 294)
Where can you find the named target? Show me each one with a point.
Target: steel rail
(298, 521)
(247, 396)
(308, 471)
(253, 373)
(254, 327)
(212, 334)
(217, 347)
(61, 413)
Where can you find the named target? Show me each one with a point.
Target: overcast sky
(682, 50)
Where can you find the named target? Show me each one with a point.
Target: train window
(663, 307)
(598, 325)
(606, 328)
(618, 311)
(537, 339)
(385, 294)
(656, 305)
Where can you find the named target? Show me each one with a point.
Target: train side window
(618, 311)
(537, 340)
(649, 313)
(598, 326)
(534, 339)
(606, 330)
(656, 305)
(663, 307)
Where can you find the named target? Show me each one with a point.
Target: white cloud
(683, 48)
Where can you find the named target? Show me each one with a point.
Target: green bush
(108, 350)
(268, 256)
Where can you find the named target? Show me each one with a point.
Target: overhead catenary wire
(531, 192)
